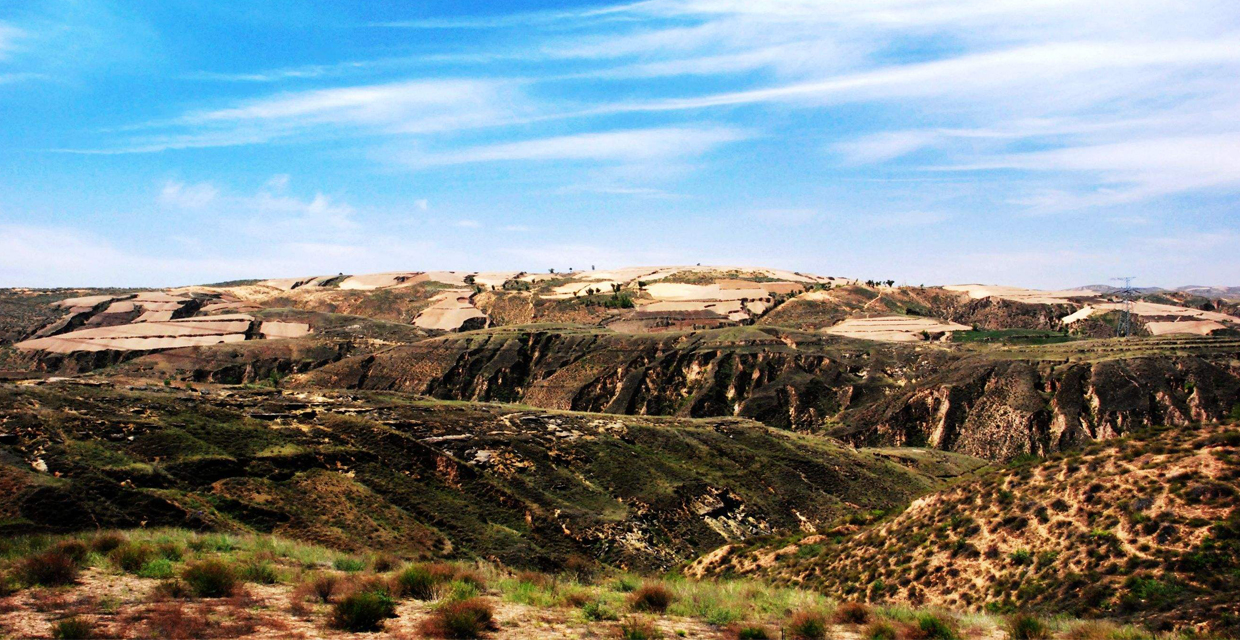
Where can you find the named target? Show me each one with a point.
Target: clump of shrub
(74, 628)
(598, 610)
(626, 584)
(172, 590)
(1092, 630)
(853, 613)
(107, 541)
(130, 558)
(157, 568)
(469, 618)
(385, 562)
(651, 596)
(211, 578)
(75, 549)
(416, 581)
(753, 632)
(879, 630)
(1021, 557)
(260, 572)
(423, 581)
(363, 611)
(639, 629)
(579, 567)
(349, 564)
(1026, 627)
(324, 586)
(807, 625)
(929, 626)
(51, 568)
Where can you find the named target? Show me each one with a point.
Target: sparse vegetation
(807, 625)
(651, 597)
(1026, 627)
(211, 578)
(639, 629)
(363, 610)
(467, 618)
(51, 568)
(73, 628)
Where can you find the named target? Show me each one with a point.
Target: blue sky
(1032, 142)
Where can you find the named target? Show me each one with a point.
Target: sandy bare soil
(449, 311)
(1018, 294)
(893, 328)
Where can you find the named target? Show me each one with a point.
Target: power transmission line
(1126, 293)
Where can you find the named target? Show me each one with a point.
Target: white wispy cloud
(410, 107)
(1028, 69)
(1132, 170)
(905, 219)
(9, 36)
(629, 146)
(785, 217)
(183, 196)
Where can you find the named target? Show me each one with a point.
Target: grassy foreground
(171, 583)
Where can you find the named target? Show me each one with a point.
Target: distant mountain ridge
(1205, 291)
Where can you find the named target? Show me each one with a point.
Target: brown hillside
(1144, 527)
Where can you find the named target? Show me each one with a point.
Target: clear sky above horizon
(1045, 143)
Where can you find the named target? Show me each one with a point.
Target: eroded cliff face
(1001, 409)
(990, 405)
(784, 379)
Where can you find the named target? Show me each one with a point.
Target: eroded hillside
(392, 472)
(1143, 527)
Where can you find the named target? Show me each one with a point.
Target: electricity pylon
(1126, 293)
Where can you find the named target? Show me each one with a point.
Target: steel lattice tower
(1126, 293)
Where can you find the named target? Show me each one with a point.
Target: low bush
(74, 628)
(929, 626)
(469, 576)
(1027, 627)
(211, 578)
(324, 586)
(470, 618)
(417, 582)
(384, 563)
(260, 572)
(807, 625)
(1092, 630)
(459, 590)
(75, 549)
(853, 613)
(879, 630)
(171, 550)
(363, 611)
(131, 557)
(540, 580)
(652, 596)
(639, 629)
(599, 610)
(579, 567)
(753, 632)
(626, 584)
(107, 541)
(172, 590)
(52, 568)
(349, 564)
(158, 569)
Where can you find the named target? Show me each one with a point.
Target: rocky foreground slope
(1143, 527)
(391, 472)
